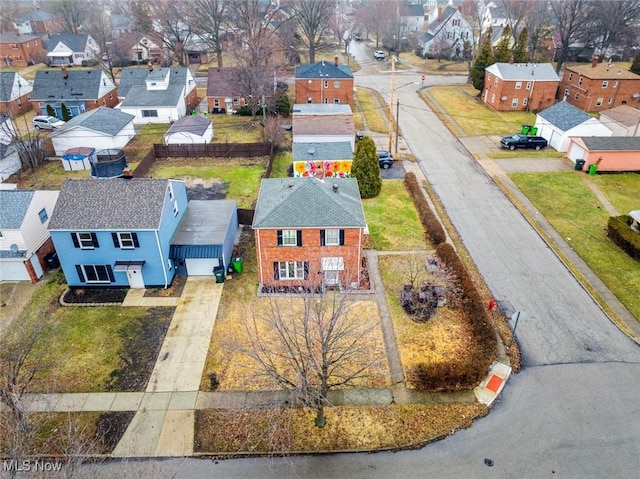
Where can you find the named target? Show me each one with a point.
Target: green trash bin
(534, 130)
(237, 264)
(593, 169)
(525, 129)
(219, 273)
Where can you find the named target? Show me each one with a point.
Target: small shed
(204, 241)
(561, 121)
(108, 164)
(79, 158)
(188, 130)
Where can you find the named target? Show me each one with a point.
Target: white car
(378, 55)
(43, 122)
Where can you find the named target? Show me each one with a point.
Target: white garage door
(556, 139)
(201, 266)
(13, 271)
(576, 152)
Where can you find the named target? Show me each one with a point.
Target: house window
(1, 235)
(605, 84)
(449, 35)
(289, 237)
(149, 113)
(575, 96)
(291, 270)
(570, 76)
(43, 215)
(566, 92)
(580, 81)
(493, 98)
(95, 273)
(455, 23)
(514, 103)
(326, 84)
(336, 101)
(518, 85)
(309, 100)
(599, 101)
(336, 84)
(125, 240)
(488, 76)
(495, 83)
(110, 96)
(332, 237)
(85, 240)
(170, 191)
(528, 85)
(216, 103)
(326, 100)
(610, 101)
(525, 102)
(615, 84)
(175, 208)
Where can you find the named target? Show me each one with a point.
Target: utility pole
(397, 123)
(393, 86)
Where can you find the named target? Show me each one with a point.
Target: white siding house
(622, 120)
(24, 218)
(447, 36)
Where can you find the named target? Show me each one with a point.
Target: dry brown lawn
(347, 428)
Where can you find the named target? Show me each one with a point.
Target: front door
(135, 278)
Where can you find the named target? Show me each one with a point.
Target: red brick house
(520, 86)
(20, 50)
(324, 82)
(229, 88)
(600, 86)
(309, 234)
(39, 22)
(14, 93)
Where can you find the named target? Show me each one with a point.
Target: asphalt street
(572, 412)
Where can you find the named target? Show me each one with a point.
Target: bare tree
(210, 18)
(99, 25)
(313, 16)
(10, 11)
(342, 26)
(517, 12)
(616, 22)
(373, 16)
(140, 11)
(28, 142)
(574, 25)
(538, 27)
(73, 13)
(174, 22)
(310, 345)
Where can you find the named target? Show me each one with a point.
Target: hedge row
(470, 371)
(623, 236)
(434, 230)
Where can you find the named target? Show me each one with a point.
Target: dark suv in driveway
(520, 140)
(385, 159)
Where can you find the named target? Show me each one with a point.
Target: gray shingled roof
(205, 222)
(13, 37)
(324, 69)
(564, 116)
(103, 119)
(139, 96)
(613, 143)
(110, 204)
(76, 43)
(15, 204)
(524, 71)
(50, 85)
(309, 203)
(133, 76)
(6, 85)
(308, 151)
(195, 124)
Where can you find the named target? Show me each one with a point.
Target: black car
(385, 159)
(520, 140)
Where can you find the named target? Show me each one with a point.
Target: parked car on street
(385, 159)
(378, 55)
(520, 140)
(44, 122)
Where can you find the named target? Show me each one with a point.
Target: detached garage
(561, 121)
(204, 241)
(614, 153)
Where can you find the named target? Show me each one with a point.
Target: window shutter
(299, 239)
(94, 240)
(110, 273)
(276, 270)
(306, 270)
(136, 244)
(116, 243)
(322, 240)
(80, 273)
(74, 238)
(279, 237)
(341, 237)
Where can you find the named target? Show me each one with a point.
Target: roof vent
(335, 188)
(311, 151)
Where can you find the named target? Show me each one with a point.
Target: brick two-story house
(309, 234)
(600, 86)
(513, 87)
(14, 93)
(20, 50)
(324, 82)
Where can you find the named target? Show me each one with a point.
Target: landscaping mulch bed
(175, 290)
(94, 295)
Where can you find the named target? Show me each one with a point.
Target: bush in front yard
(365, 168)
(434, 230)
(620, 232)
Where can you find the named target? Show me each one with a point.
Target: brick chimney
(65, 73)
(594, 61)
(335, 60)
(511, 59)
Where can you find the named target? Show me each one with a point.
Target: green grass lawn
(243, 180)
(466, 109)
(575, 212)
(621, 189)
(371, 110)
(236, 129)
(281, 162)
(140, 145)
(392, 219)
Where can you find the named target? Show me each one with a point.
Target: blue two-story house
(117, 232)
